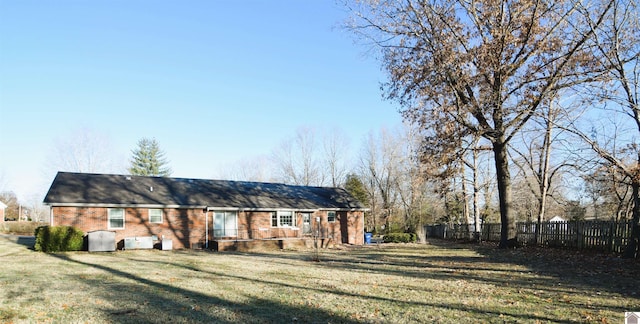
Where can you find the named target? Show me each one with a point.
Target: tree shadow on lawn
(584, 268)
(162, 302)
(414, 266)
(375, 300)
(551, 271)
(512, 268)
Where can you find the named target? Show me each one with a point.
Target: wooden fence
(598, 235)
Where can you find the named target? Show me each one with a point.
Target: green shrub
(400, 238)
(58, 239)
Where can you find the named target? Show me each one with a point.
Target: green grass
(439, 282)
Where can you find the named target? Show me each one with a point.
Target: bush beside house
(58, 239)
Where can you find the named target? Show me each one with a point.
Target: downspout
(363, 231)
(206, 228)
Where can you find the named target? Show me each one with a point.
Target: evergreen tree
(149, 160)
(355, 187)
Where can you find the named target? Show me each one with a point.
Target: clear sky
(212, 81)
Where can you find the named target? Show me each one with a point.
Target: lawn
(437, 282)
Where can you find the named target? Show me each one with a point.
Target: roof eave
(111, 205)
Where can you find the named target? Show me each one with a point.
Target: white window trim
(278, 215)
(124, 217)
(335, 217)
(224, 228)
(161, 216)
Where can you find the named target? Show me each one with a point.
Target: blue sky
(212, 81)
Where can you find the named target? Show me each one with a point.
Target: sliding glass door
(225, 224)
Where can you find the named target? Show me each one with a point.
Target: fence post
(579, 234)
(611, 235)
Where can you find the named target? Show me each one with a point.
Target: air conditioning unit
(138, 242)
(167, 244)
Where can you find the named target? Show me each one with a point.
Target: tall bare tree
(254, 168)
(533, 157)
(485, 65)
(616, 53)
(335, 153)
(297, 161)
(312, 158)
(410, 182)
(380, 162)
(84, 150)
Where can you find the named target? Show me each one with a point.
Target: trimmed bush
(58, 239)
(400, 238)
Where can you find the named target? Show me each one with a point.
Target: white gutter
(124, 205)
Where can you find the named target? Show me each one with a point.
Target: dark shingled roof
(108, 189)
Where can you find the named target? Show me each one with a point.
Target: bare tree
(335, 151)
(616, 53)
(411, 185)
(379, 169)
(296, 159)
(84, 150)
(38, 212)
(312, 158)
(477, 185)
(610, 193)
(257, 168)
(484, 65)
(533, 157)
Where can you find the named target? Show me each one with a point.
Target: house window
(115, 218)
(155, 216)
(283, 219)
(331, 216)
(286, 218)
(225, 224)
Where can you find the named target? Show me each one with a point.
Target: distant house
(2, 209)
(197, 213)
(556, 219)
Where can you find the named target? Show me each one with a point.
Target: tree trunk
(465, 202)
(631, 251)
(476, 193)
(508, 237)
(543, 172)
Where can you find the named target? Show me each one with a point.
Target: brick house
(198, 213)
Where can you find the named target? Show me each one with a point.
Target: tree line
(478, 75)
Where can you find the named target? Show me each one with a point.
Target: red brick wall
(355, 223)
(184, 226)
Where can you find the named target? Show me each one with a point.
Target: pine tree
(149, 160)
(355, 187)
